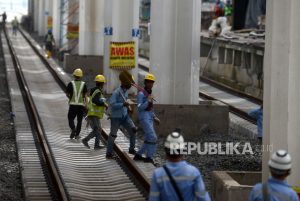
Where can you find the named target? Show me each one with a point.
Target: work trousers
(149, 146)
(127, 123)
(96, 126)
(75, 111)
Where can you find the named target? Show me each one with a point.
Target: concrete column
(122, 16)
(175, 50)
(91, 26)
(36, 15)
(281, 83)
(56, 20)
(41, 16)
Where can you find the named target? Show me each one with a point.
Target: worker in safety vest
(146, 118)
(49, 43)
(15, 25)
(276, 188)
(76, 92)
(119, 106)
(96, 108)
(177, 180)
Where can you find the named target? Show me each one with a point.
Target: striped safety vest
(93, 109)
(77, 97)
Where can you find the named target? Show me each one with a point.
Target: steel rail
(38, 128)
(130, 164)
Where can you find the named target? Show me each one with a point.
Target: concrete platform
(212, 116)
(233, 185)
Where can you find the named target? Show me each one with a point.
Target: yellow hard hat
(78, 72)
(100, 78)
(150, 77)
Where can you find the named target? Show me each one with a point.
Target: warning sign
(122, 55)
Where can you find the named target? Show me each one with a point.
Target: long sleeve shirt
(187, 178)
(277, 190)
(117, 103)
(143, 105)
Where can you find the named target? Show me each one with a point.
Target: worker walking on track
(96, 108)
(146, 118)
(49, 43)
(120, 106)
(177, 180)
(15, 25)
(276, 188)
(76, 92)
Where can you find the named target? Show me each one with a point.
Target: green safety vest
(93, 109)
(77, 97)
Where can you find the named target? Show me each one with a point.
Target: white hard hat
(281, 160)
(174, 141)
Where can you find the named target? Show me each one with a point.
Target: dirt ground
(10, 178)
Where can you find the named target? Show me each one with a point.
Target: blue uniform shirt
(143, 103)
(117, 103)
(278, 191)
(188, 179)
(258, 115)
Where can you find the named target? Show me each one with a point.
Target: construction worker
(276, 188)
(96, 107)
(15, 25)
(120, 106)
(49, 42)
(76, 92)
(257, 114)
(177, 180)
(146, 118)
(4, 17)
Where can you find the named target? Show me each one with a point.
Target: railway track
(72, 172)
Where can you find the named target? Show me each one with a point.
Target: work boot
(138, 157)
(149, 160)
(77, 137)
(132, 151)
(72, 134)
(99, 147)
(85, 143)
(109, 156)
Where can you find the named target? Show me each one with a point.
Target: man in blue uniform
(177, 180)
(146, 118)
(119, 106)
(258, 115)
(96, 108)
(276, 188)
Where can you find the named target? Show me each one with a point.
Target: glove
(150, 98)
(156, 120)
(103, 100)
(126, 104)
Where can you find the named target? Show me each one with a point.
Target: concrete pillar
(175, 50)
(56, 20)
(91, 26)
(281, 83)
(123, 17)
(36, 15)
(41, 16)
